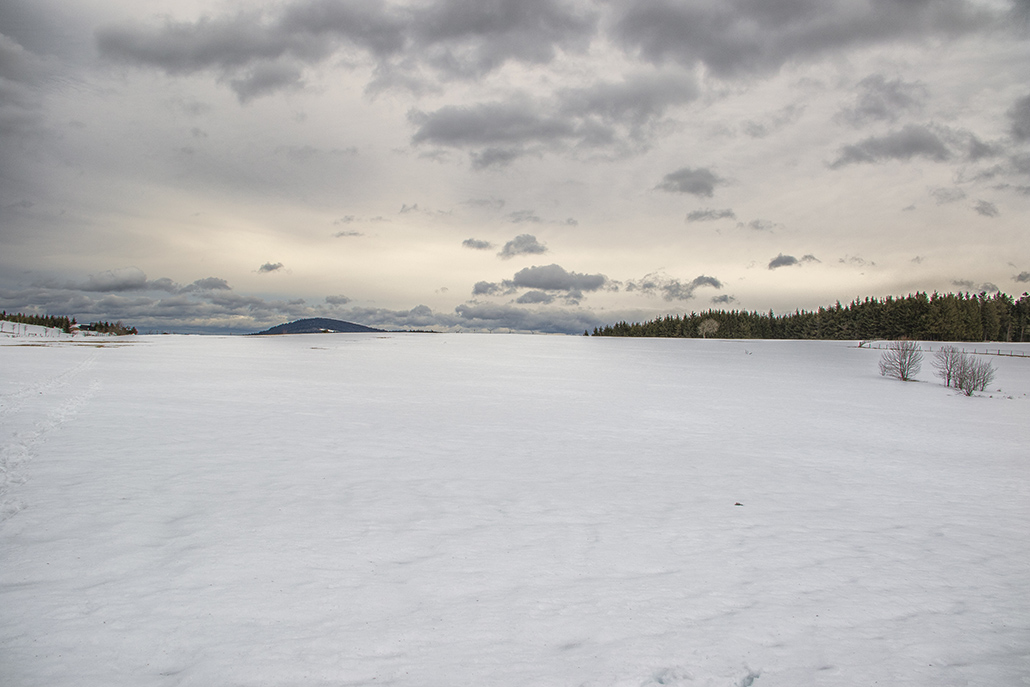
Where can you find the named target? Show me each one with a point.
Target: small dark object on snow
(738, 503)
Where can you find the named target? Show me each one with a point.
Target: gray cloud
(476, 244)
(986, 208)
(496, 316)
(535, 297)
(760, 225)
(618, 117)
(265, 78)
(707, 215)
(523, 244)
(671, 289)
(782, 260)
(337, 300)
(773, 122)
(126, 279)
(346, 234)
(637, 102)
(187, 310)
(880, 99)
(485, 288)
(260, 52)
(556, 278)
(521, 216)
(1022, 277)
(490, 125)
(724, 299)
(910, 141)
(1020, 116)
(22, 73)
(699, 182)
(943, 196)
(739, 37)
(208, 284)
(469, 37)
(487, 203)
(270, 267)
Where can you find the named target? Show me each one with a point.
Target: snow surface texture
(448, 510)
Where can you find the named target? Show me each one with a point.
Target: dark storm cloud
(883, 100)
(699, 182)
(707, 215)
(670, 288)
(476, 244)
(1019, 114)
(523, 244)
(739, 37)
(270, 267)
(259, 52)
(986, 208)
(910, 141)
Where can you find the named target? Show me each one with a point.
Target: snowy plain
(462, 509)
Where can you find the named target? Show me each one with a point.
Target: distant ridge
(317, 325)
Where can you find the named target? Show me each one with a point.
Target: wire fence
(972, 350)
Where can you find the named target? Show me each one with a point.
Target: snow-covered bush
(902, 359)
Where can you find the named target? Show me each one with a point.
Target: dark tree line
(53, 321)
(62, 322)
(109, 328)
(933, 317)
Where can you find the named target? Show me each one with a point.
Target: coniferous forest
(934, 317)
(65, 323)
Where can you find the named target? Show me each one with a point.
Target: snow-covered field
(447, 510)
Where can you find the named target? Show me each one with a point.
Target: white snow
(417, 510)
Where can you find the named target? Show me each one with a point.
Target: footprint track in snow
(17, 449)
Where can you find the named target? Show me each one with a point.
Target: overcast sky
(547, 165)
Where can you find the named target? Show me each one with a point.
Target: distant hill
(317, 325)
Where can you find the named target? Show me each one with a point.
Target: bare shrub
(946, 362)
(974, 374)
(902, 359)
(708, 326)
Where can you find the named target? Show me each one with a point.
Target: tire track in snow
(21, 445)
